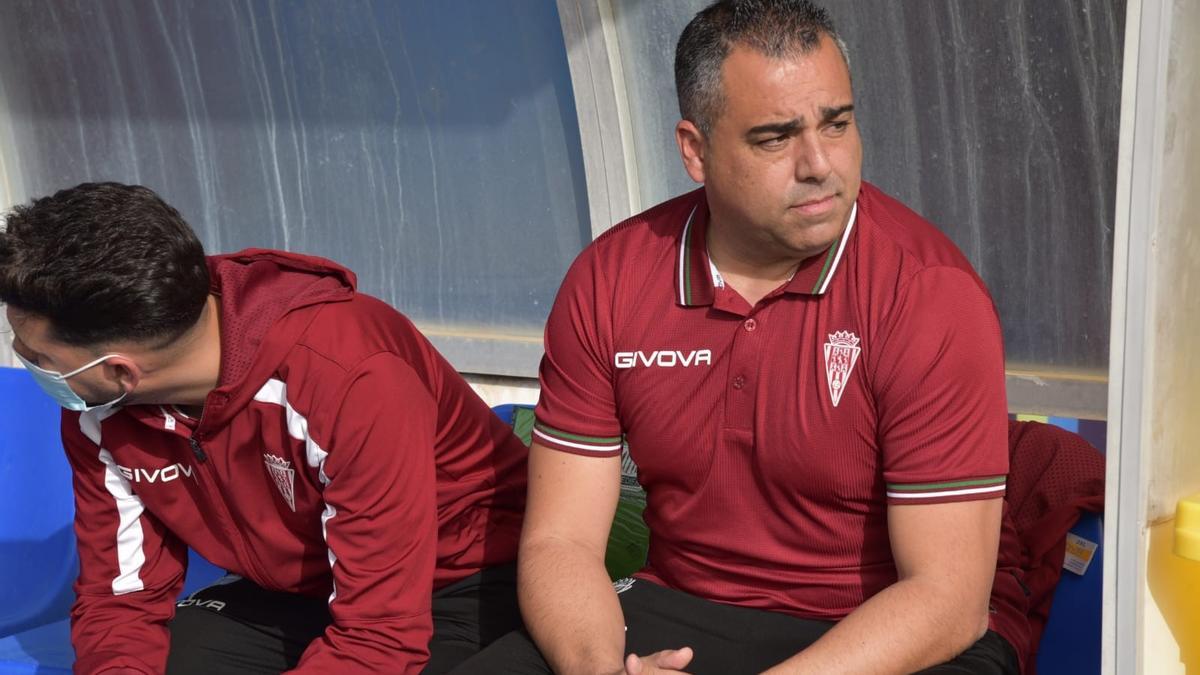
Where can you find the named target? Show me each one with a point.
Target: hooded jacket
(340, 456)
(1057, 476)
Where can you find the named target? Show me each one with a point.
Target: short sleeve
(576, 412)
(940, 393)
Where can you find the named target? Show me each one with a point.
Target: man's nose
(812, 159)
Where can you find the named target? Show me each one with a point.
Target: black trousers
(235, 626)
(726, 640)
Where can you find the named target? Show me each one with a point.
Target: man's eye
(773, 142)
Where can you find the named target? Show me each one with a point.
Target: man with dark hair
(256, 408)
(810, 379)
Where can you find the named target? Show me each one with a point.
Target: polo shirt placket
(704, 285)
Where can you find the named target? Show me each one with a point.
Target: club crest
(284, 476)
(841, 353)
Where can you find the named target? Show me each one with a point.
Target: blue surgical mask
(55, 384)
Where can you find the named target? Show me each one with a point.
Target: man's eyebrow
(777, 128)
(795, 124)
(829, 114)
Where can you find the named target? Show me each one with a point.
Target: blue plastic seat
(1071, 640)
(37, 542)
(38, 559)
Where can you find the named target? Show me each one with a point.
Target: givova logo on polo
(663, 358)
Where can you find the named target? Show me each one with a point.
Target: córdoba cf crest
(284, 476)
(841, 353)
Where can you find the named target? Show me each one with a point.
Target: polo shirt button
(739, 382)
(750, 325)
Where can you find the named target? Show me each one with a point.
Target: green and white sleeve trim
(943, 490)
(597, 444)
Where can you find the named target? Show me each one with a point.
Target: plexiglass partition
(430, 145)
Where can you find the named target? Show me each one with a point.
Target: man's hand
(667, 661)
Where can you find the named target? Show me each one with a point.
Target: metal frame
(7, 360)
(1147, 29)
(486, 352)
(1040, 392)
(601, 102)
(12, 191)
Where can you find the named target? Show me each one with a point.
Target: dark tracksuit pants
(726, 640)
(235, 626)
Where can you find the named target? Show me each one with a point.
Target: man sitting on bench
(810, 378)
(257, 408)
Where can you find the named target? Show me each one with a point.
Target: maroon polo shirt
(770, 439)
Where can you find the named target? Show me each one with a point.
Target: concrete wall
(1171, 429)
(1152, 617)
(1174, 366)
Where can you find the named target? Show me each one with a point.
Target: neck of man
(749, 267)
(183, 373)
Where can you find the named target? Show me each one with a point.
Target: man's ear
(691, 149)
(125, 370)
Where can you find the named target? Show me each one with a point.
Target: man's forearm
(570, 608)
(911, 625)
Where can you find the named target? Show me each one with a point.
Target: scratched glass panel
(997, 121)
(430, 145)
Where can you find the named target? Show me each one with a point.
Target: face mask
(55, 384)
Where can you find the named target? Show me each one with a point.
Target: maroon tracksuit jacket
(340, 456)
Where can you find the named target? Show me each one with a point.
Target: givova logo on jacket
(163, 475)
